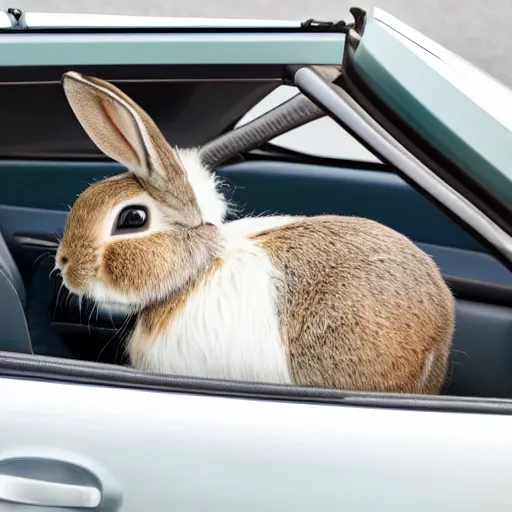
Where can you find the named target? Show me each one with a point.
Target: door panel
(49, 185)
(261, 187)
(482, 351)
(160, 451)
(30, 233)
(314, 189)
(258, 187)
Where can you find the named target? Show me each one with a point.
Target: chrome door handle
(28, 491)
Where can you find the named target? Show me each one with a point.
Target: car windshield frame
(439, 97)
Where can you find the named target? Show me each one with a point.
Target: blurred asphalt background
(477, 30)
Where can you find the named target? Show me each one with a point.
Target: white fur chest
(228, 329)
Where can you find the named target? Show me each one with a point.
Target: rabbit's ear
(125, 132)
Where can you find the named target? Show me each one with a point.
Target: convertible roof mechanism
(17, 18)
(292, 114)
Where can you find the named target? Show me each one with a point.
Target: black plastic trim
(270, 151)
(304, 27)
(147, 73)
(480, 291)
(79, 372)
(190, 117)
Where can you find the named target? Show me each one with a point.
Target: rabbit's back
(361, 306)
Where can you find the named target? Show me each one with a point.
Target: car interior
(47, 160)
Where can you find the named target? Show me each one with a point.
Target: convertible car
(361, 116)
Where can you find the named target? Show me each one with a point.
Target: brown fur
(183, 253)
(362, 306)
(79, 248)
(155, 319)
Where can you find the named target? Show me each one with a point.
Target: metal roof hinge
(325, 26)
(341, 26)
(17, 18)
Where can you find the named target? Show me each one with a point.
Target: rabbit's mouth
(119, 308)
(112, 300)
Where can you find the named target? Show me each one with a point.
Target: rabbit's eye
(131, 218)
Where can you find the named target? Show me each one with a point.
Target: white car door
(80, 446)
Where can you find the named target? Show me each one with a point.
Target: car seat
(25, 312)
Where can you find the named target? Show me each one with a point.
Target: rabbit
(324, 301)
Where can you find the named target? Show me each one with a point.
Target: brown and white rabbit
(328, 301)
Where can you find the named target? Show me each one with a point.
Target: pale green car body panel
(443, 115)
(20, 49)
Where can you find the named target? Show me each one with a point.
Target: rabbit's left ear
(124, 131)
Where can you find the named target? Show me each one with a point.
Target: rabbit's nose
(62, 261)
